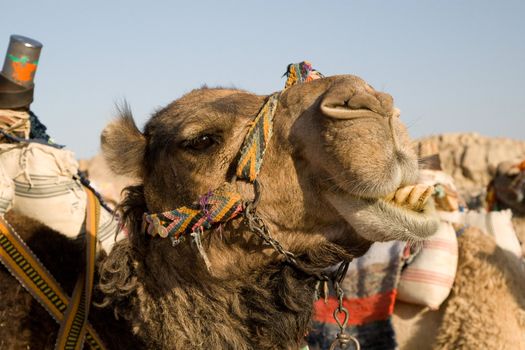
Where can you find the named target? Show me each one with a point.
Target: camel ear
(123, 145)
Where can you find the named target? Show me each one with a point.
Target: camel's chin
(378, 220)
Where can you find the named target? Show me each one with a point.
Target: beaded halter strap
(225, 203)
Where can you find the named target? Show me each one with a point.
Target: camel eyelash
(201, 142)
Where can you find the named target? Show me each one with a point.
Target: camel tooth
(402, 194)
(426, 195)
(412, 200)
(413, 197)
(418, 196)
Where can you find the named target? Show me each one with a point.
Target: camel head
(339, 167)
(509, 186)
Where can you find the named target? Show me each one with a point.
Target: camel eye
(200, 143)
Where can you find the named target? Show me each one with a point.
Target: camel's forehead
(202, 108)
(205, 96)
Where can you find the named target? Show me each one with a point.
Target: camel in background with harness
(242, 272)
(486, 307)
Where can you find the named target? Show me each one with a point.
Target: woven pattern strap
(256, 140)
(258, 137)
(73, 326)
(215, 207)
(22, 263)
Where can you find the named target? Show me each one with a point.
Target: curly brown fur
(267, 309)
(117, 273)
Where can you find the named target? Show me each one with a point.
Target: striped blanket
(370, 293)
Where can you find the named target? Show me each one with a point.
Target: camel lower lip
(417, 214)
(379, 220)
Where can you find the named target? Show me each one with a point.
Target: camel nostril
(356, 106)
(343, 112)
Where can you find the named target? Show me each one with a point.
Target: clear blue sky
(450, 65)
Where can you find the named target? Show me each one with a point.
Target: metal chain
(257, 226)
(343, 339)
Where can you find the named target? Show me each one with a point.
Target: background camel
(337, 144)
(509, 193)
(486, 307)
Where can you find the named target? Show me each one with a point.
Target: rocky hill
(471, 158)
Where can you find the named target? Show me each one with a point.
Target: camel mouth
(412, 197)
(406, 214)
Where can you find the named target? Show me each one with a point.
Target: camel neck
(269, 308)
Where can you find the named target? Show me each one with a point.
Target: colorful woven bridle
(225, 203)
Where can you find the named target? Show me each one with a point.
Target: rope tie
(15, 122)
